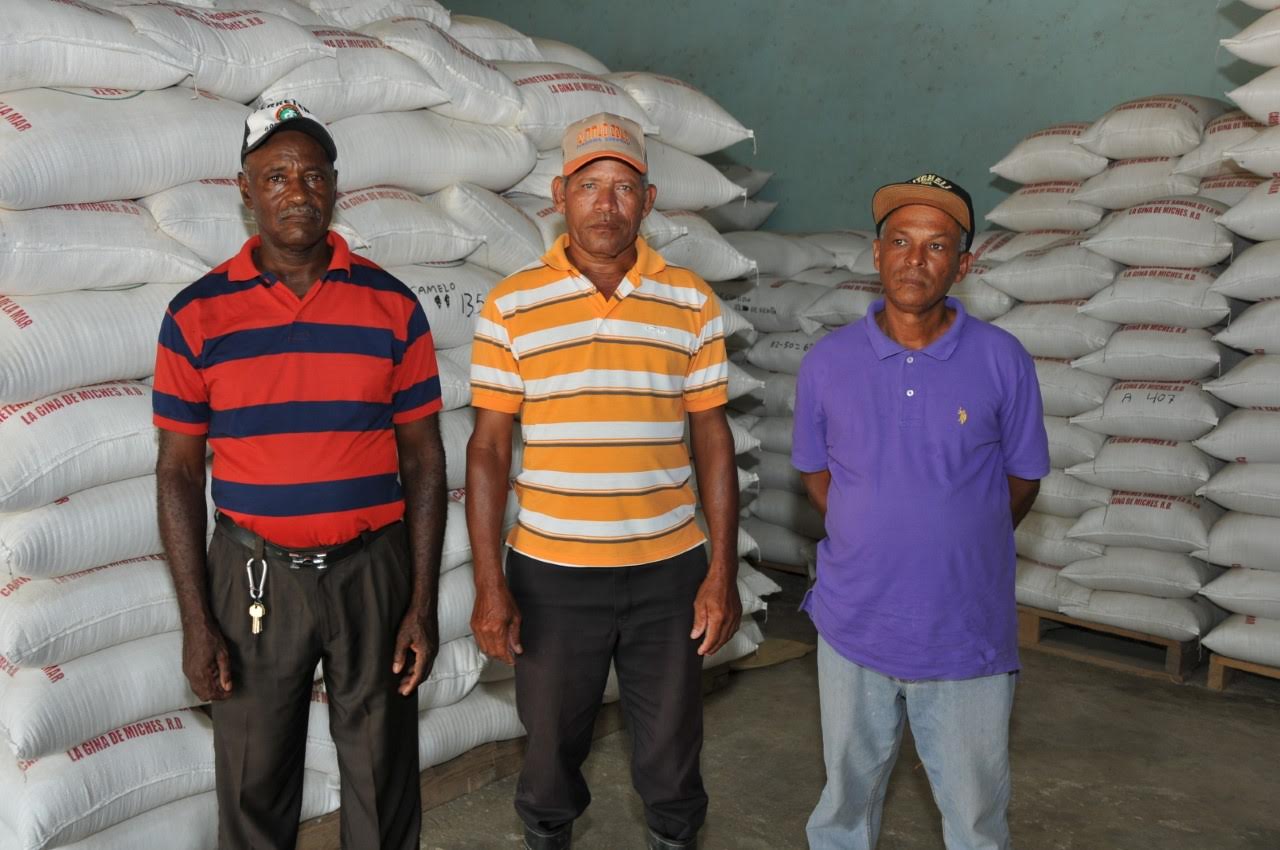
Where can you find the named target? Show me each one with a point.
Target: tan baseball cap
(931, 191)
(604, 135)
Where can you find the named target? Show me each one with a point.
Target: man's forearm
(423, 479)
(182, 515)
(488, 484)
(712, 444)
(1022, 495)
(816, 487)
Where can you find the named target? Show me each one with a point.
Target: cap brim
(314, 129)
(898, 195)
(574, 164)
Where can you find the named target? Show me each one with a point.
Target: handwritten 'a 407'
(1150, 398)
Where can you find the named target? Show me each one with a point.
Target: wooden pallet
(1221, 669)
(477, 768)
(1107, 646)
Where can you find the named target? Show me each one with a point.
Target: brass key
(257, 611)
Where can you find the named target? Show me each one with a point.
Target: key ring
(256, 593)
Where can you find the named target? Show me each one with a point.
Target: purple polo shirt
(916, 574)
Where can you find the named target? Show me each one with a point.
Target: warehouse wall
(845, 95)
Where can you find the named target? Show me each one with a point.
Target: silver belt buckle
(316, 561)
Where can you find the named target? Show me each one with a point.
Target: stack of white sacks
(1146, 343)
(120, 125)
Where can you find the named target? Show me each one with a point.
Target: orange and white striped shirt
(602, 387)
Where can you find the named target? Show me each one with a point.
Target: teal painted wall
(845, 95)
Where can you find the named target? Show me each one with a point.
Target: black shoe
(658, 842)
(560, 839)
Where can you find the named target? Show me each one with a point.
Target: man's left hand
(717, 611)
(419, 634)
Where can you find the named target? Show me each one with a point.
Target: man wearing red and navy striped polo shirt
(310, 372)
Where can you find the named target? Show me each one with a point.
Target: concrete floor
(1101, 760)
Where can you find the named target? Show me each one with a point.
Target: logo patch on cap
(933, 180)
(287, 111)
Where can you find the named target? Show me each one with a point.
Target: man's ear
(650, 196)
(966, 260)
(557, 193)
(242, 181)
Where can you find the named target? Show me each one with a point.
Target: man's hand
(419, 633)
(206, 662)
(717, 610)
(495, 622)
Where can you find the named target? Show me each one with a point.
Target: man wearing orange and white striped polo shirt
(604, 350)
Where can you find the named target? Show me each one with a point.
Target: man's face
(290, 186)
(919, 256)
(603, 204)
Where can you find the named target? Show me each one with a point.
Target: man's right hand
(206, 662)
(495, 622)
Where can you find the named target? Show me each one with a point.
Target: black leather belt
(318, 559)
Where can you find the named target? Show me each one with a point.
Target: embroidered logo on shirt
(962, 416)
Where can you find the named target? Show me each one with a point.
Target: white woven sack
(1050, 154)
(493, 40)
(452, 295)
(1165, 410)
(743, 382)
(477, 90)
(1040, 206)
(1146, 465)
(1264, 5)
(782, 352)
(1260, 98)
(790, 510)
(47, 43)
(1161, 125)
(831, 278)
(986, 241)
(778, 545)
(1176, 619)
(775, 471)
(454, 365)
(1064, 496)
(1043, 537)
(704, 251)
(752, 180)
(772, 433)
(1149, 521)
(537, 183)
(1257, 217)
(776, 395)
(1168, 575)
(756, 582)
(566, 54)
(1055, 329)
(234, 54)
(1003, 245)
(744, 214)
(57, 342)
(208, 217)
(1247, 638)
(685, 182)
(118, 774)
(848, 247)
(1256, 330)
(686, 118)
(1127, 182)
(745, 640)
(780, 255)
(52, 621)
(1068, 392)
(1243, 540)
(1154, 352)
(1222, 134)
(1043, 586)
(843, 303)
(772, 304)
(1229, 190)
(737, 330)
(1254, 275)
(1181, 232)
(425, 152)
(357, 13)
(363, 76)
(555, 96)
(456, 427)
(1253, 383)
(1070, 444)
(153, 140)
(290, 10)
(743, 440)
(63, 443)
(1062, 271)
(1178, 297)
(1245, 436)
(88, 246)
(1252, 488)
(1259, 154)
(455, 600)
(50, 709)
(511, 240)
(397, 228)
(1259, 42)
(1254, 593)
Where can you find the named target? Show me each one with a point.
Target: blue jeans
(961, 730)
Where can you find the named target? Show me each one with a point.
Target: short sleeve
(809, 428)
(180, 397)
(1023, 442)
(495, 373)
(706, 384)
(415, 387)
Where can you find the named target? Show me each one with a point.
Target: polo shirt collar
(940, 349)
(648, 261)
(241, 267)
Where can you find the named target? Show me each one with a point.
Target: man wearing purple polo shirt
(919, 434)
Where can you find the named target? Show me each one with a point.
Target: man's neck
(916, 330)
(298, 270)
(606, 273)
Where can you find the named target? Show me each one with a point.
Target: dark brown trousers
(346, 616)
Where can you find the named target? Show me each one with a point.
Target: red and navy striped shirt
(298, 396)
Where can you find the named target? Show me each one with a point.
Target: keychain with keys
(257, 610)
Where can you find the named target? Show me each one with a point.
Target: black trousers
(346, 615)
(575, 620)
